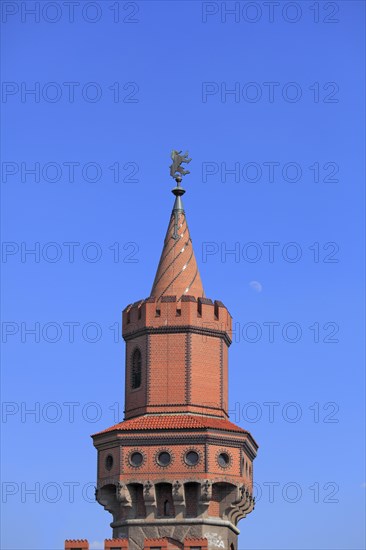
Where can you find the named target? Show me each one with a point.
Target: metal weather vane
(177, 171)
(176, 168)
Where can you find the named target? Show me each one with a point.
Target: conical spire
(177, 273)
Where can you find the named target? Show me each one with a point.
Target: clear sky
(269, 102)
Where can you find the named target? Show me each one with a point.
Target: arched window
(136, 369)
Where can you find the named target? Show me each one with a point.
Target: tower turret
(176, 469)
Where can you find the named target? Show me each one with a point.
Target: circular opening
(164, 458)
(136, 459)
(192, 458)
(109, 462)
(224, 460)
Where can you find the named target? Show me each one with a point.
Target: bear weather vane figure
(176, 165)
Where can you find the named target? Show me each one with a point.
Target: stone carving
(176, 487)
(178, 497)
(206, 491)
(147, 488)
(123, 494)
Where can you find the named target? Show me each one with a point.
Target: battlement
(76, 544)
(189, 311)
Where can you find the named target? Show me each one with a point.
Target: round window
(191, 458)
(164, 458)
(136, 459)
(109, 462)
(224, 460)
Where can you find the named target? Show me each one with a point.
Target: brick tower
(176, 473)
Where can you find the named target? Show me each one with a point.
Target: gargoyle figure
(206, 490)
(178, 159)
(176, 487)
(121, 492)
(147, 488)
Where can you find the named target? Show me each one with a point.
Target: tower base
(219, 533)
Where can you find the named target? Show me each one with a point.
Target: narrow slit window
(136, 369)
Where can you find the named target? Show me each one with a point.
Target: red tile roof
(174, 422)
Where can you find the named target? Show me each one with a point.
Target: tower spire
(177, 273)
(176, 468)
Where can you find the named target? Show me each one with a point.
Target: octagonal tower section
(176, 356)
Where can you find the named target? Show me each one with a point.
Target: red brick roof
(174, 422)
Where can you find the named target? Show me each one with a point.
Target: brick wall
(168, 363)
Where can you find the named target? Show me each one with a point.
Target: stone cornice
(170, 521)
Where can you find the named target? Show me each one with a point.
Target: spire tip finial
(177, 172)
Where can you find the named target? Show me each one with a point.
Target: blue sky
(275, 96)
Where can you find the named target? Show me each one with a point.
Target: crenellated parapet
(201, 314)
